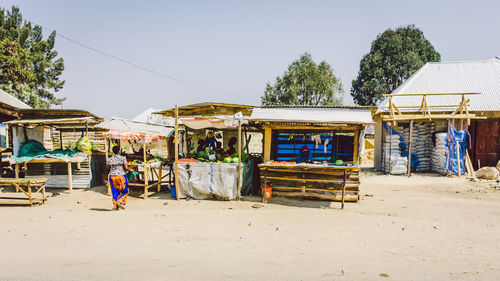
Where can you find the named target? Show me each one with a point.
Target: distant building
(480, 76)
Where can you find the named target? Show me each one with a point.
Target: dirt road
(422, 228)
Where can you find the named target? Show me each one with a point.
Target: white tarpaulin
(208, 180)
(217, 122)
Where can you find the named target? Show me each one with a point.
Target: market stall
(312, 152)
(138, 141)
(36, 155)
(209, 170)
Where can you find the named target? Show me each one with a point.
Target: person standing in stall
(232, 142)
(116, 166)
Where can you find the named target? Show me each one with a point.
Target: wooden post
(146, 171)
(43, 193)
(60, 139)
(176, 151)
(264, 186)
(343, 188)
(458, 159)
(26, 139)
(409, 148)
(356, 156)
(70, 178)
(267, 144)
(108, 184)
(159, 178)
(239, 160)
(29, 194)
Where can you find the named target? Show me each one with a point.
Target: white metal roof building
(10, 100)
(313, 114)
(135, 127)
(478, 76)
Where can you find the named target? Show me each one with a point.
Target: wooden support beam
(70, 178)
(343, 189)
(356, 156)
(159, 177)
(409, 148)
(176, 151)
(267, 144)
(458, 158)
(239, 161)
(146, 171)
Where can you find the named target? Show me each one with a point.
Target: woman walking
(116, 166)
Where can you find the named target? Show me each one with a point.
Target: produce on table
(339, 162)
(190, 160)
(228, 160)
(244, 156)
(235, 160)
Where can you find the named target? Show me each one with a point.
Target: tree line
(31, 70)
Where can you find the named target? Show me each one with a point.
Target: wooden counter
(335, 183)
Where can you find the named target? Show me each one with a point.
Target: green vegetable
(339, 162)
(202, 154)
(235, 160)
(228, 160)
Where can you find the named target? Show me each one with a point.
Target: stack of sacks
(422, 145)
(392, 156)
(438, 158)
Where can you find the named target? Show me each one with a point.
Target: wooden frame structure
(149, 170)
(28, 187)
(335, 183)
(206, 110)
(65, 120)
(425, 112)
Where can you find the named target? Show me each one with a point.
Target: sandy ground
(421, 228)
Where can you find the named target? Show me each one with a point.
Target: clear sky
(235, 46)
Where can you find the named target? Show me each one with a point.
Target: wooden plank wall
(319, 183)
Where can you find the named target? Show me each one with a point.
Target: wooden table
(49, 160)
(25, 186)
(335, 183)
(148, 170)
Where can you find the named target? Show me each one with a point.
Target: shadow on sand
(294, 202)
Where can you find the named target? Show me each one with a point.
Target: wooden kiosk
(143, 134)
(219, 116)
(334, 139)
(38, 124)
(419, 108)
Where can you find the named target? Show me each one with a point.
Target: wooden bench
(25, 186)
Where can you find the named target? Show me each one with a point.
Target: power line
(142, 67)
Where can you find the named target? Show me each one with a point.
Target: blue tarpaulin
(403, 146)
(451, 150)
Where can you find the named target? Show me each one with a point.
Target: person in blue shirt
(304, 156)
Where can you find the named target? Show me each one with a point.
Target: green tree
(305, 83)
(33, 71)
(394, 56)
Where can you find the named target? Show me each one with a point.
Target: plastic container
(268, 193)
(173, 192)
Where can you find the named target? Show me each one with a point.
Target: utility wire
(142, 67)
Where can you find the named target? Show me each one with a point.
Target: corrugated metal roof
(39, 121)
(481, 76)
(208, 108)
(311, 114)
(135, 127)
(10, 100)
(147, 116)
(319, 106)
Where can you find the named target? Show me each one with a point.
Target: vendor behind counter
(313, 148)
